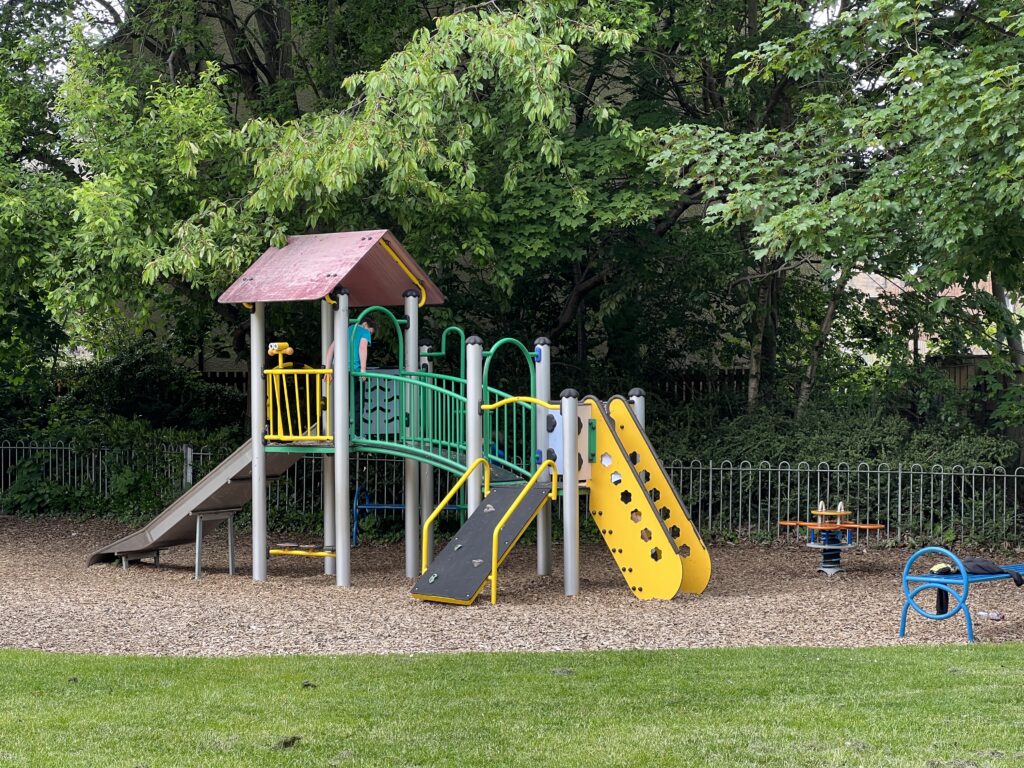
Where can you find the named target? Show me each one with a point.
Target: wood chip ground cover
(757, 597)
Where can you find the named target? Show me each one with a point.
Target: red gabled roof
(311, 266)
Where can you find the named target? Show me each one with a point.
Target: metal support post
(474, 418)
(327, 461)
(426, 471)
(542, 352)
(199, 546)
(638, 400)
(412, 469)
(341, 417)
(231, 545)
(570, 492)
(257, 408)
(186, 475)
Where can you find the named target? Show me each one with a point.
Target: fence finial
(839, 507)
(821, 505)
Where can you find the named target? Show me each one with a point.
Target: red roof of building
(311, 266)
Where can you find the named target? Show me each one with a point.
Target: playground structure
(513, 455)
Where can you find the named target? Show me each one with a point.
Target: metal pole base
(830, 570)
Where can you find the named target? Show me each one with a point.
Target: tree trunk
(763, 347)
(1013, 339)
(581, 286)
(757, 344)
(811, 373)
(581, 332)
(238, 49)
(752, 27)
(770, 343)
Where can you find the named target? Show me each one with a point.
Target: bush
(142, 381)
(130, 487)
(922, 424)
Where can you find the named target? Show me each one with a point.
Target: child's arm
(364, 348)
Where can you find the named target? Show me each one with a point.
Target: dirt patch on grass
(757, 597)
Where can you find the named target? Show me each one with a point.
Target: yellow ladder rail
(549, 464)
(444, 503)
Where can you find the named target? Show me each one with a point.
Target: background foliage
(664, 189)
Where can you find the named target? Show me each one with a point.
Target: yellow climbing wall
(694, 555)
(628, 519)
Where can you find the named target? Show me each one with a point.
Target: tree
(35, 186)
(905, 158)
(732, 165)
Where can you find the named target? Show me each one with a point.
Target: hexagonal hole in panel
(646, 534)
(606, 459)
(645, 476)
(635, 516)
(626, 497)
(665, 512)
(655, 494)
(674, 530)
(684, 550)
(655, 554)
(616, 478)
(634, 457)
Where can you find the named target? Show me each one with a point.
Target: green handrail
(395, 321)
(437, 434)
(443, 351)
(517, 425)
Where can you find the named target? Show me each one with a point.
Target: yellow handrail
(408, 272)
(444, 503)
(520, 399)
(301, 553)
(515, 504)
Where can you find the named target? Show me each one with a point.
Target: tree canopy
(655, 185)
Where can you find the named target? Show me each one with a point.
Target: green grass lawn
(961, 707)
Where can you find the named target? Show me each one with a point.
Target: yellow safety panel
(694, 555)
(298, 405)
(628, 520)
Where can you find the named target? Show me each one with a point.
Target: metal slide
(639, 513)
(225, 488)
(458, 574)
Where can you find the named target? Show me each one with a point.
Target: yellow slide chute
(638, 511)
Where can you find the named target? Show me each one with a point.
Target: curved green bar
(394, 321)
(513, 426)
(440, 437)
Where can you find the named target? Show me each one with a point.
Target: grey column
(570, 492)
(412, 470)
(231, 545)
(426, 470)
(199, 546)
(327, 461)
(340, 417)
(474, 419)
(638, 400)
(257, 416)
(542, 348)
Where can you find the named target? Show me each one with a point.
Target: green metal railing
(422, 415)
(442, 352)
(508, 431)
